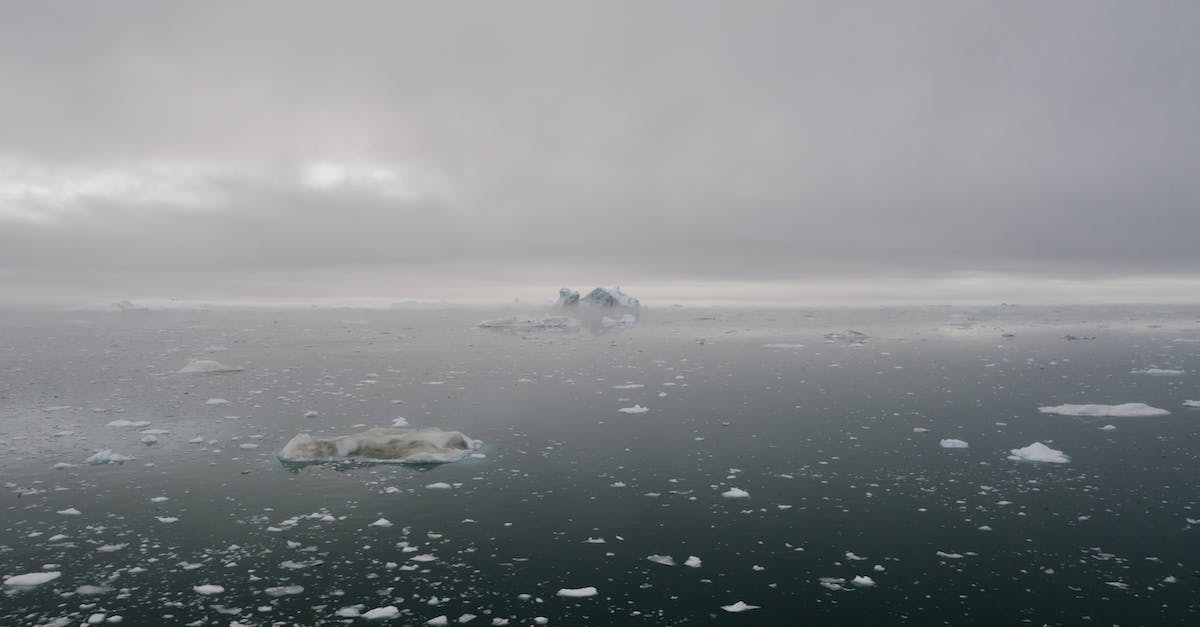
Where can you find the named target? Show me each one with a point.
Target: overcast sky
(227, 150)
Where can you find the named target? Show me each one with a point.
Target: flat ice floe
(1038, 452)
(1191, 403)
(1125, 410)
(953, 443)
(1155, 371)
(107, 456)
(28, 580)
(208, 366)
(427, 445)
(740, 606)
(589, 591)
(636, 409)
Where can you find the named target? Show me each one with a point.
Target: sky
(721, 151)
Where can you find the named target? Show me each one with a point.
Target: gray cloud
(148, 146)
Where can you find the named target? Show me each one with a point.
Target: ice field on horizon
(680, 466)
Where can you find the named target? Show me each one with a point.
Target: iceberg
(1126, 410)
(208, 366)
(1038, 452)
(567, 297)
(427, 445)
(607, 297)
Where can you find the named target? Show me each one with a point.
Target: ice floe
(107, 456)
(208, 589)
(665, 560)
(28, 580)
(387, 612)
(636, 409)
(589, 591)
(740, 606)
(208, 366)
(1125, 410)
(1191, 403)
(735, 493)
(1038, 452)
(953, 443)
(1155, 371)
(515, 323)
(427, 445)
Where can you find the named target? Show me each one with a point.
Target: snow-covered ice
(386, 612)
(589, 591)
(29, 580)
(208, 589)
(953, 443)
(740, 606)
(1038, 452)
(427, 445)
(208, 366)
(636, 409)
(1125, 410)
(735, 493)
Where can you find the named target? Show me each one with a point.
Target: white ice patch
(636, 409)
(1126, 410)
(1191, 403)
(862, 581)
(122, 423)
(107, 457)
(28, 580)
(665, 560)
(208, 366)
(1154, 371)
(385, 445)
(740, 606)
(692, 561)
(382, 613)
(735, 493)
(1038, 452)
(208, 589)
(952, 443)
(589, 591)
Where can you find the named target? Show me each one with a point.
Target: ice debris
(1155, 371)
(953, 443)
(735, 493)
(1125, 410)
(382, 613)
(636, 409)
(106, 456)
(740, 606)
(208, 366)
(1038, 452)
(28, 580)
(601, 296)
(428, 445)
(589, 591)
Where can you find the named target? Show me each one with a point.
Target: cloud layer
(265, 148)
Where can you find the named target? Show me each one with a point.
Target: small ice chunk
(665, 560)
(123, 423)
(636, 409)
(1191, 403)
(107, 456)
(208, 589)
(589, 591)
(1155, 371)
(953, 443)
(387, 612)
(216, 401)
(70, 511)
(862, 581)
(167, 519)
(382, 522)
(1125, 410)
(740, 606)
(735, 493)
(692, 561)
(1038, 452)
(280, 591)
(28, 580)
(208, 366)
(439, 621)
(441, 485)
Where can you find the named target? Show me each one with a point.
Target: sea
(773, 466)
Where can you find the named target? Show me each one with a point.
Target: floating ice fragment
(589, 591)
(208, 589)
(439, 621)
(1191, 403)
(862, 581)
(167, 519)
(530, 324)
(279, 591)
(123, 423)
(70, 511)
(665, 560)
(636, 409)
(107, 457)
(953, 443)
(216, 401)
(208, 366)
(1038, 452)
(692, 561)
(386, 445)
(740, 606)
(382, 613)
(1125, 410)
(1158, 372)
(735, 493)
(28, 580)
(441, 485)
(382, 522)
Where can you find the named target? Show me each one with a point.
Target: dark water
(821, 436)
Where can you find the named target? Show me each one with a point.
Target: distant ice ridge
(1038, 452)
(144, 304)
(1155, 371)
(1126, 410)
(514, 323)
(601, 296)
(427, 445)
(208, 366)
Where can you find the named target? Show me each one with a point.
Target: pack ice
(428, 445)
(1126, 410)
